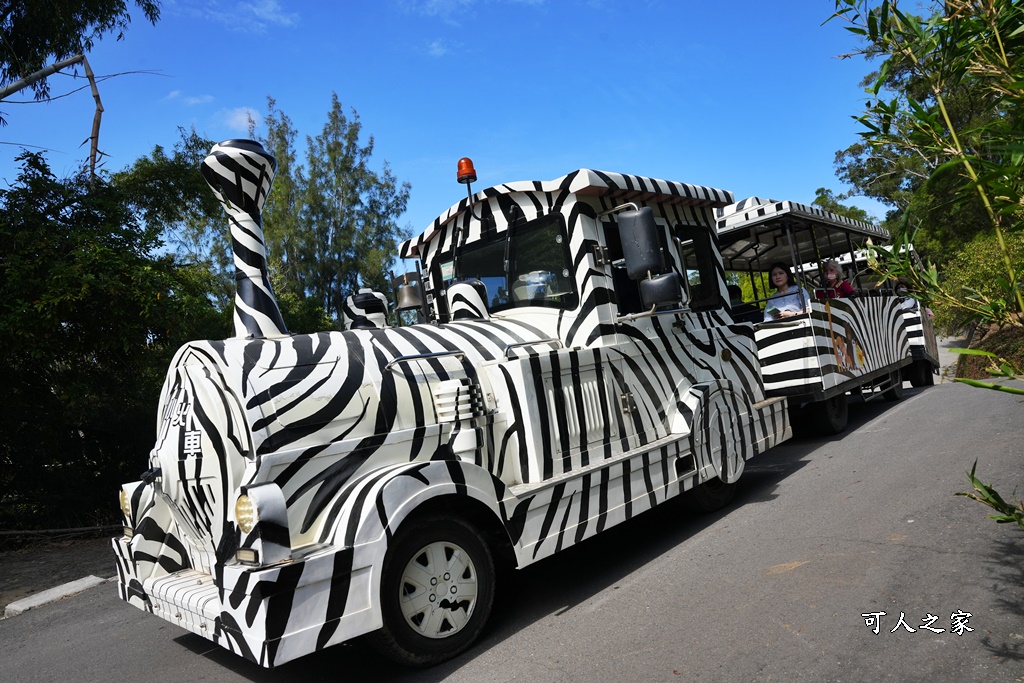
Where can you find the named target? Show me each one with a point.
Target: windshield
(539, 266)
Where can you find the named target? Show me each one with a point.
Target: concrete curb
(52, 595)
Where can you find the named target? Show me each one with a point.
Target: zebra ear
(365, 310)
(468, 300)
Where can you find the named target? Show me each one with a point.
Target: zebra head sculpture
(240, 173)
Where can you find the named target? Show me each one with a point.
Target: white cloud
(237, 119)
(437, 49)
(247, 16)
(270, 11)
(188, 100)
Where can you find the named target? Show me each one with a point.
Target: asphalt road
(771, 589)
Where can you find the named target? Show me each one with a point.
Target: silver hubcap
(438, 590)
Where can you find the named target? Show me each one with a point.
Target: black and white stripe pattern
(754, 211)
(550, 424)
(240, 173)
(839, 341)
(366, 309)
(921, 333)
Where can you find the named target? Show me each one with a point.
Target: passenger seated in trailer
(835, 284)
(742, 312)
(909, 303)
(790, 299)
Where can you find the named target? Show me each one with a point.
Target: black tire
(831, 415)
(920, 374)
(431, 559)
(799, 419)
(895, 390)
(712, 495)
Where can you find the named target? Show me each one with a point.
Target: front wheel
(437, 591)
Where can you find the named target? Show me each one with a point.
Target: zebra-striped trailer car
(864, 342)
(923, 346)
(308, 489)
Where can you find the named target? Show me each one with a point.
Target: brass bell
(409, 297)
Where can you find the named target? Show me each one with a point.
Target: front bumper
(269, 615)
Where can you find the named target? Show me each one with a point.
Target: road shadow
(1007, 574)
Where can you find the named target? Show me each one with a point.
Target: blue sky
(741, 95)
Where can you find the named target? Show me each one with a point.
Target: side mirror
(640, 245)
(662, 290)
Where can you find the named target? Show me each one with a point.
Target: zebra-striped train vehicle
(866, 341)
(577, 364)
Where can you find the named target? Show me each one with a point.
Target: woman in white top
(789, 299)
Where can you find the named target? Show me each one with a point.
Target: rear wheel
(920, 374)
(831, 415)
(437, 591)
(895, 390)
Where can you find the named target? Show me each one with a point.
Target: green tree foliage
(281, 213)
(303, 314)
(167, 192)
(825, 199)
(933, 102)
(946, 103)
(38, 32)
(89, 319)
(332, 226)
(977, 267)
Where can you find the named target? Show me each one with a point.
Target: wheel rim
(724, 454)
(438, 590)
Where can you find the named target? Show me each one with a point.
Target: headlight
(245, 514)
(247, 556)
(126, 506)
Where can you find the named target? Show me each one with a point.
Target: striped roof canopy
(756, 232)
(619, 187)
